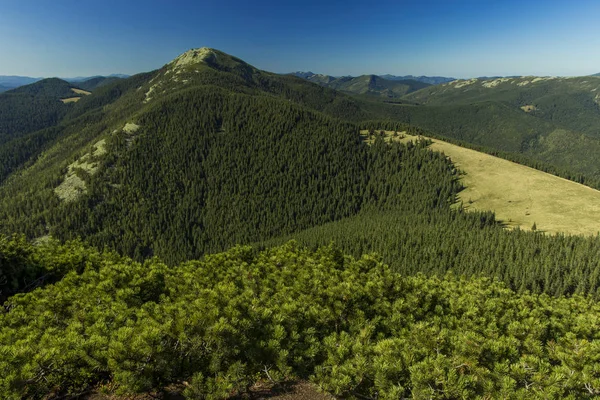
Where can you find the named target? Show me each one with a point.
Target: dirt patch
(520, 196)
(289, 391)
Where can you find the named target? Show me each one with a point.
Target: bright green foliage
(25, 267)
(354, 327)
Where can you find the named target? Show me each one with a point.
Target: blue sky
(457, 38)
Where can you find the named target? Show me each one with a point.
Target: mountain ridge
(372, 85)
(432, 80)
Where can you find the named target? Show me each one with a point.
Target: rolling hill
(374, 85)
(96, 82)
(431, 80)
(12, 82)
(33, 107)
(371, 85)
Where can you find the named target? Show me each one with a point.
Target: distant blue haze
(460, 38)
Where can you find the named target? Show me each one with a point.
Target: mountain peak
(195, 56)
(211, 57)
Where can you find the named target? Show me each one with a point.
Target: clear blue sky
(457, 38)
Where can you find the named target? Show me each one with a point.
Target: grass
(70, 100)
(520, 196)
(83, 92)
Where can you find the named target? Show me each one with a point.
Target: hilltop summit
(195, 56)
(211, 57)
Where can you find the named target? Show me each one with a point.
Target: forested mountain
(12, 82)
(319, 78)
(550, 120)
(80, 79)
(145, 168)
(144, 165)
(96, 82)
(33, 107)
(371, 85)
(209, 152)
(29, 116)
(431, 80)
(374, 85)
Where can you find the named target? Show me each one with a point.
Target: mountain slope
(376, 86)
(371, 85)
(319, 78)
(33, 107)
(549, 120)
(233, 320)
(572, 102)
(208, 152)
(432, 80)
(204, 153)
(12, 82)
(96, 82)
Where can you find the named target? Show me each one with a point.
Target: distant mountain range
(372, 85)
(11, 82)
(8, 82)
(432, 80)
(319, 78)
(87, 78)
